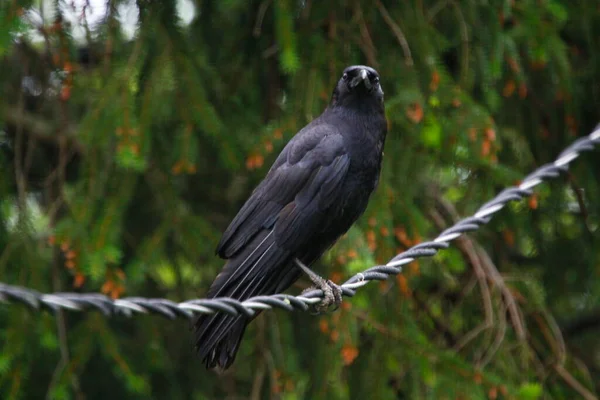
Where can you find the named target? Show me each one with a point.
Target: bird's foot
(332, 293)
(332, 296)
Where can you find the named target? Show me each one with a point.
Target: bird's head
(358, 84)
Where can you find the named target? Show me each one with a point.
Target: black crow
(316, 189)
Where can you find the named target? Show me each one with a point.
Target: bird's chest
(365, 166)
(365, 147)
(357, 188)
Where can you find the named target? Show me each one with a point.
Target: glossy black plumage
(316, 189)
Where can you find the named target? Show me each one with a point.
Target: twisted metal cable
(138, 305)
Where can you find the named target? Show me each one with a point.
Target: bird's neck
(359, 107)
(364, 114)
(365, 127)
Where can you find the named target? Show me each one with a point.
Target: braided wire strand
(138, 305)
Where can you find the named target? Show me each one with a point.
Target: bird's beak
(361, 77)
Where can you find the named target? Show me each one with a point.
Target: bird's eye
(376, 79)
(345, 76)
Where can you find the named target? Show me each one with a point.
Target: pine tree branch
(39, 128)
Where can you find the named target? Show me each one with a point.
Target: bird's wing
(295, 193)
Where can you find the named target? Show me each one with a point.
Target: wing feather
(298, 188)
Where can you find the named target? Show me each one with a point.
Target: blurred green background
(132, 132)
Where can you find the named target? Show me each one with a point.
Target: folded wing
(283, 213)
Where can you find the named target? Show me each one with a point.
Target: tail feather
(259, 269)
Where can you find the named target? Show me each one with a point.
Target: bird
(315, 190)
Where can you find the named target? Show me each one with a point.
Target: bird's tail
(258, 269)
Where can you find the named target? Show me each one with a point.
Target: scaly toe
(332, 295)
(336, 291)
(315, 309)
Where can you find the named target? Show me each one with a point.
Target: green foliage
(530, 391)
(125, 155)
